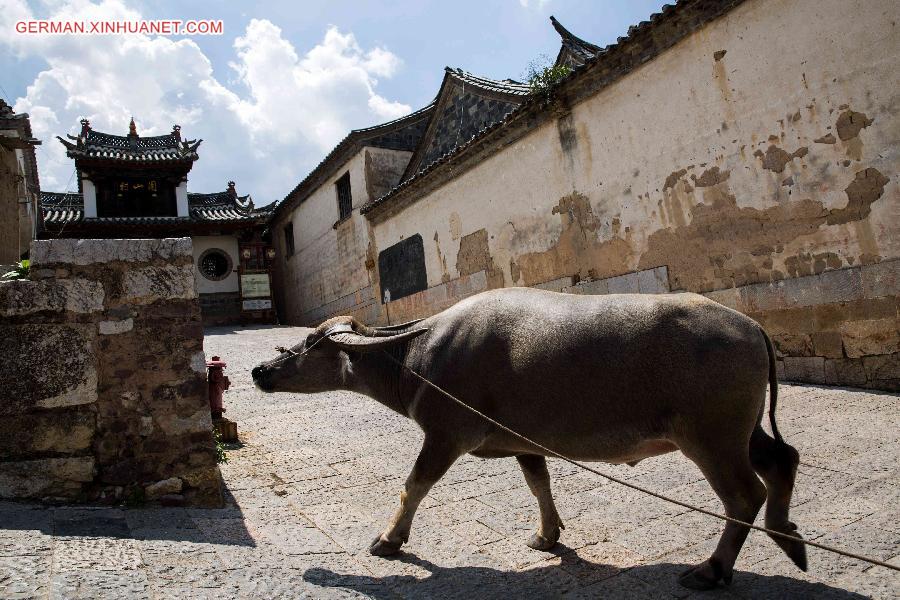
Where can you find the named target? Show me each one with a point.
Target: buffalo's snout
(260, 374)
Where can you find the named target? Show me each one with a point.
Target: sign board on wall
(255, 285)
(257, 304)
(401, 268)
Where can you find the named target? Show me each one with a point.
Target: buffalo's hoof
(704, 576)
(796, 550)
(383, 547)
(539, 542)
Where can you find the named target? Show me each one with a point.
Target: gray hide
(615, 378)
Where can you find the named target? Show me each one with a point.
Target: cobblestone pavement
(319, 476)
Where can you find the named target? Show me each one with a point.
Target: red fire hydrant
(218, 383)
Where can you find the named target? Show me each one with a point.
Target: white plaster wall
(328, 263)
(229, 245)
(181, 199)
(790, 69)
(89, 193)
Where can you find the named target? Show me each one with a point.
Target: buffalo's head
(320, 362)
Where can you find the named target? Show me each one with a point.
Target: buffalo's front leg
(535, 469)
(434, 459)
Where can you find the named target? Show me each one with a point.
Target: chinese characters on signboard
(257, 304)
(255, 285)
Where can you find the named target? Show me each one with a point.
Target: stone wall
(837, 327)
(222, 308)
(104, 395)
(10, 177)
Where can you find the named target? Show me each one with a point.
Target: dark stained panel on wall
(401, 268)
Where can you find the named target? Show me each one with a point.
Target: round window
(214, 264)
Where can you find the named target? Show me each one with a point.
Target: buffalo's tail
(773, 387)
(776, 462)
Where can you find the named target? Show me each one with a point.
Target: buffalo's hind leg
(728, 470)
(435, 457)
(535, 469)
(776, 462)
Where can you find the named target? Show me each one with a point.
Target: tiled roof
(640, 45)
(503, 86)
(62, 208)
(227, 206)
(465, 104)
(399, 134)
(134, 149)
(221, 206)
(574, 50)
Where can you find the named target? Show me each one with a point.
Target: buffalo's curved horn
(351, 341)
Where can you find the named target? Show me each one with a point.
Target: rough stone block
(114, 327)
(878, 336)
(23, 297)
(61, 432)
(171, 485)
(86, 252)
(58, 477)
(842, 285)
(730, 297)
(597, 287)
(882, 368)
(152, 284)
(654, 281)
(623, 284)
(46, 366)
(845, 371)
(789, 344)
(881, 279)
(827, 344)
(172, 424)
(808, 369)
(555, 285)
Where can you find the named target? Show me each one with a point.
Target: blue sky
(285, 82)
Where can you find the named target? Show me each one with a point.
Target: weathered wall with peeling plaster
(330, 269)
(763, 147)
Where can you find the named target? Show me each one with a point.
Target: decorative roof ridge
(227, 199)
(510, 92)
(415, 115)
(515, 87)
(90, 138)
(67, 200)
(567, 35)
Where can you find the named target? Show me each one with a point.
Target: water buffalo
(615, 378)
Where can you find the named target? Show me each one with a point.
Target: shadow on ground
(574, 577)
(222, 526)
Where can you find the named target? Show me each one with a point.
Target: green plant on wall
(221, 455)
(20, 272)
(543, 75)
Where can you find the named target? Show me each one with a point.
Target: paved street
(319, 476)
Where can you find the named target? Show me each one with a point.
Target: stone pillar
(89, 192)
(181, 199)
(104, 395)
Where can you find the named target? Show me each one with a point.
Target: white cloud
(538, 4)
(289, 109)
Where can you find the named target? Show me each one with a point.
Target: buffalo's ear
(350, 341)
